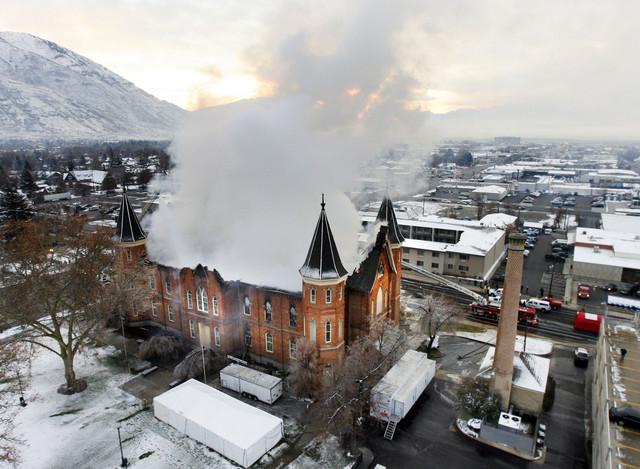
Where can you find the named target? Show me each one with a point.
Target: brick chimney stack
(508, 324)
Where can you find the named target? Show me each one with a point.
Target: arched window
(268, 342)
(268, 311)
(216, 310)
(293, 317)
(202, 300)
(327, 332)
(247, 306)
(379, 302)
(312, 330)
(247, 335)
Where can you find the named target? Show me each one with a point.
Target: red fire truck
(491, 312)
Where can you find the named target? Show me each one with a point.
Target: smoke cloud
(247, 187)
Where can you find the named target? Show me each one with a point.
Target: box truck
(587, 321)
(251, 383)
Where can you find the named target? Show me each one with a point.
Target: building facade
(266, 324)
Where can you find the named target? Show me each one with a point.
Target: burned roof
(364, 276)
(128, 227)
(323, 261)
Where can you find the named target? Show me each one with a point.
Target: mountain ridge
(50, 92)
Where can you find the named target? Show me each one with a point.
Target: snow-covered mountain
(49, 92)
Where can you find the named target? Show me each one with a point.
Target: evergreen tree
(13, 205)
(26, 183)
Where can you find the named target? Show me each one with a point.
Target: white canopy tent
(234, 429)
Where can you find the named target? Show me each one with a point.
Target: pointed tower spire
(323, 261)
(386, 214)
(128, 229)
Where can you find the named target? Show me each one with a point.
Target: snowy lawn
(81, 430)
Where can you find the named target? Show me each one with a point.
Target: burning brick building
(332, 308)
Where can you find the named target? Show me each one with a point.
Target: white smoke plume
(249, 177)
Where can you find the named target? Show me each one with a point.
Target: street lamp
(124, 462)
(553, 271)
(204, 367)
(22, 401)
(124, 342)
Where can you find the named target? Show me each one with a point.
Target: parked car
(529, 245)
(611, 287)
(538, 304)
(526, 253)
(629, 289)
(580, 356)
(554, 257)
(584, 292)
(555, 304)
(625, 416)
(547, 231)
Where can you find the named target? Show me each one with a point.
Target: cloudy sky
(546, 67)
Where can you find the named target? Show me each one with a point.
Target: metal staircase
(391, 427)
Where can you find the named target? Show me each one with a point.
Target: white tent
(234, 429)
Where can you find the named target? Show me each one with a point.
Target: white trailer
(400, 388)
(251, 383)
(234, 429)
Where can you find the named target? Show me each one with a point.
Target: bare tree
(437, 314)
(13, 358)
(344, 404)
(51, 281)
(306, 371)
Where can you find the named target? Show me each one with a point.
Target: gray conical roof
(323, 261)
(128, 228)
(388, 216)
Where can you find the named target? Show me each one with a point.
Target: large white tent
(236, 430)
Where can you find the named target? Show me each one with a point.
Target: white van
(563, 243)
(538, 304)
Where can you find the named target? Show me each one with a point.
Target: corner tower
(387, 217)
(323, 293)
(129, 234)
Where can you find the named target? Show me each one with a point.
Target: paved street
(427, 438)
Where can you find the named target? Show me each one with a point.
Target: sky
(571, 64)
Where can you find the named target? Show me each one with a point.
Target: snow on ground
(81, 430)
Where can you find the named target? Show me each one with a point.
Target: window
(189, 299)
(247, 306)
(435, 255)
(464, 257)
(293, 317)
(216, 309)
(379, 301)
(202, 300)
(327, 332)
(268, 342)
(380, 270)
(405, 260)
(247, 336)
(134, 308)
(154, 308)
(435, 265)
(268, 311)
(167, 284)
(420, 252)
(293, 348)
(128, 254)
(152, 282)
(449, 266)
(340, 328)
(420, 263)
(327, 296)
(312, 292)
(386, 299)
(192, 329)
(170, 311)
(340, 294)
(312, 330)
(463, 268)
(450, 255)
(216, 336)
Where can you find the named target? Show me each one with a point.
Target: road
(427, 437)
